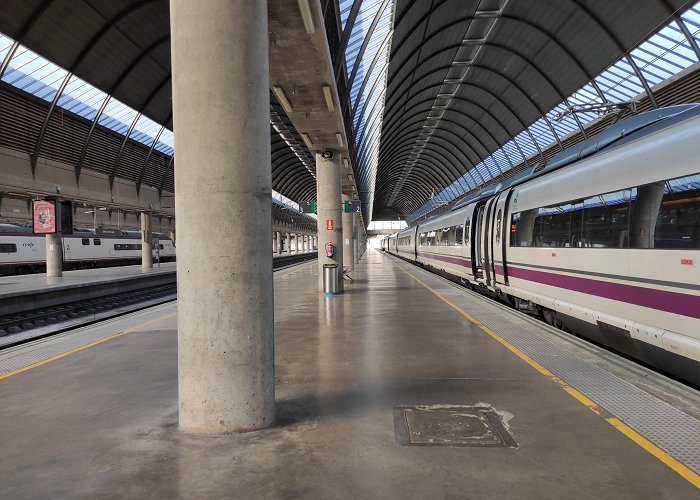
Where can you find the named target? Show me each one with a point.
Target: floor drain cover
(442, 425)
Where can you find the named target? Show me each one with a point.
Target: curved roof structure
(441, 96)
(467, 78)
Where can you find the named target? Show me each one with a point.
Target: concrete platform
(32, 291)
(94, 415)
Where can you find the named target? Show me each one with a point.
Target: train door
(498, 237)
(414, 242)
(477, 247)
(487, 251)
(467, 244)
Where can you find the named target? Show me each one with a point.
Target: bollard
(330, 279)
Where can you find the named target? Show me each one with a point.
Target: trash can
(330, 279)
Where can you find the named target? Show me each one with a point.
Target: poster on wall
(44, 216)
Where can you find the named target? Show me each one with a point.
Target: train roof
(632, 128)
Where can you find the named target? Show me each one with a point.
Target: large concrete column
(348, 239)
(328, 206)
(54, 255)
(279, 242)
(220, 80)
(289, 243)
(146, 242)
(356, 236)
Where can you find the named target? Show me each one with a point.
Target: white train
(23, 252)
(603, 241)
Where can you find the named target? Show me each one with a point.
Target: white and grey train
(23, 252)
(603, 241)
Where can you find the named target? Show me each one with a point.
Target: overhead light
(339, 138)
(329, 98)
(282, 98)
(306, 16)
(307, 140)
(350, 177)
(346, 163)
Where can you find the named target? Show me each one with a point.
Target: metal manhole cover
(442, 425)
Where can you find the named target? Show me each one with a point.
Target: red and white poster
(44, 216)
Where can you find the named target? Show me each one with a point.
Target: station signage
(307, 207)
(330, 224)
(352, 206)
(44, 216)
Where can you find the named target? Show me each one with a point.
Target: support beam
(146, 245)
(348, 238)
(225, 300)
(328, 190)
(356, 236)
(54, 255)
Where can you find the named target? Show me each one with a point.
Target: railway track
(27, 326)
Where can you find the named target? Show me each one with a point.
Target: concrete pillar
(146, 242)
(348, 237)
(54, 255)
(225, 301)
(278, 242)
(328, 190)
(289, 243)
(356, 236)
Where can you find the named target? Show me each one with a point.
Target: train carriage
(604, 240)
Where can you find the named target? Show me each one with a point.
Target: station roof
(445, 95)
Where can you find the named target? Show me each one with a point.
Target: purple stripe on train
(673, 302)
(452, 259)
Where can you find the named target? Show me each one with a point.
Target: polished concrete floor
(102, 422)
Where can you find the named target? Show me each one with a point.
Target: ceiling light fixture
(282, 98)
(339, 138)
(329, 98)
(307, 140)
(306, 16)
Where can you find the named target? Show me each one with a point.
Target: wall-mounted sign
(44, 216)
(352, 206)
(307, 207)
(330, 224)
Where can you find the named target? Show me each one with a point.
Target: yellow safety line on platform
(637, 438)
(77, 349)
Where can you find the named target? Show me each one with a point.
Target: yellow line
(77, 349)
(637, 438)
(650, 447)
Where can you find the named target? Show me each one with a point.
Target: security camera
(328, 155)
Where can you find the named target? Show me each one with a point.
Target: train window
(96, 241)
(658, 215)
(606, 220)
(466, 232)
(8, 248)
(459, 234)
(677, 224)
(86, 241)
(498, 226)
(432, 239)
